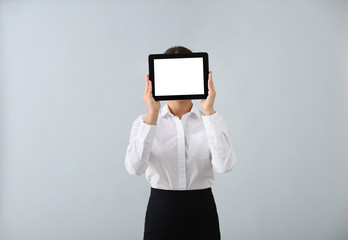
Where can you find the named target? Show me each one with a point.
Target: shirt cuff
(213, 121)
(146, 131)
(214, 124)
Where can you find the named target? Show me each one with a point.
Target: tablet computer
(179, 76)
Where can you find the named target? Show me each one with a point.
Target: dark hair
(177, 50)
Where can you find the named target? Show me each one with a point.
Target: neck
(180, 107)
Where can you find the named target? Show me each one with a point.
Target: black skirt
(181, 214)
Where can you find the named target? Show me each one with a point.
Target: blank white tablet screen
(178, 76)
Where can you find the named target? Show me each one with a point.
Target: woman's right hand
(152, 104)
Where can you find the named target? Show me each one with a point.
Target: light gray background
(72, 80)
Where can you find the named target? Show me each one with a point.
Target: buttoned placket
(181, 153)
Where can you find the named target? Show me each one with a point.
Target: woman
(177, 147)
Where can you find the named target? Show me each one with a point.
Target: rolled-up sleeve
(223, 157)
(139, 147)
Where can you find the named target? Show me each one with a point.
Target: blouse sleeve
(139, 147)
(220, 145)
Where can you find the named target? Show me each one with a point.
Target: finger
(147, 84)
(150, 87)
(210, 82)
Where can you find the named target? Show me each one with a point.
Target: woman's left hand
(207, 104)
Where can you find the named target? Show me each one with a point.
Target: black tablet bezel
(152, 57)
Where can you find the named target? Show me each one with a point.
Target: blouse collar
(165, 110)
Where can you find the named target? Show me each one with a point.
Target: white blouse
(180, 154)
